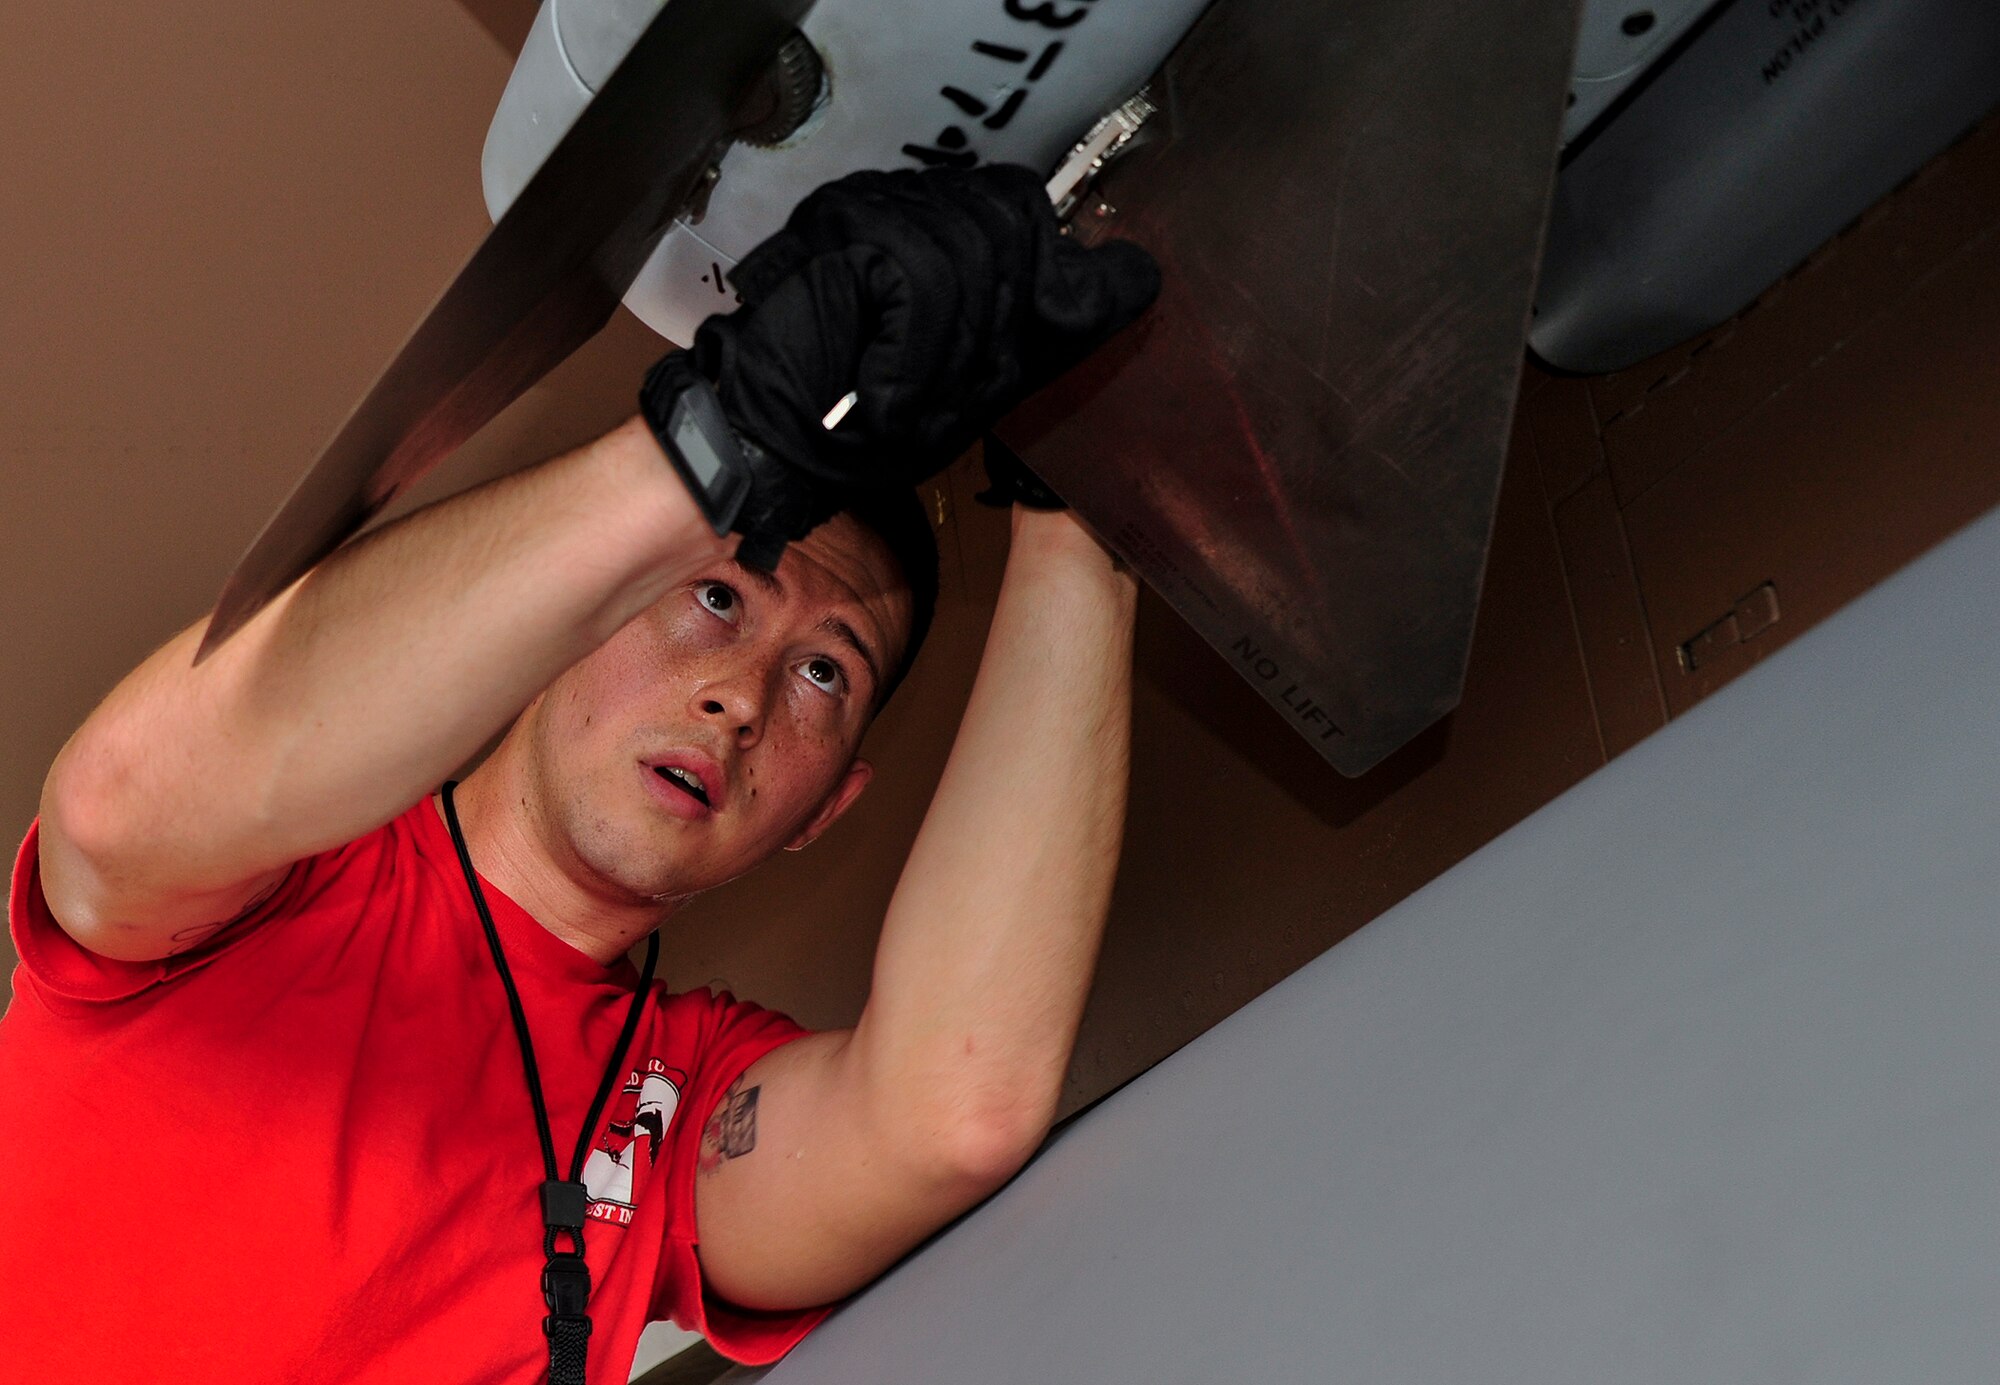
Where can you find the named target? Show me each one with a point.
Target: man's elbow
(91, 816)
(69, 842)
(979, 1151)
(97, 878)
(76, 894)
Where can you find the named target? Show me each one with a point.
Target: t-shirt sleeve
(737, 1035)
(66, 971)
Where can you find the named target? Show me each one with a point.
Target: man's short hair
(898, 519)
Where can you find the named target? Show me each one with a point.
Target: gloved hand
(942, 297)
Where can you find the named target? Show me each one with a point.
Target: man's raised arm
(928, 302)
(190, 790)
(841, 1151)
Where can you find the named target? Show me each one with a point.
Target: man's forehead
(843, 571)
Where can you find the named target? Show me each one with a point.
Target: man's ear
(839, 801)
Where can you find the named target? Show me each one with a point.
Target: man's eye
(824, 674)
(719, 599)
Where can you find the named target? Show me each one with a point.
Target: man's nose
(735, 703)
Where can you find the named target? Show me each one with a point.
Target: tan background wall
(222, 218)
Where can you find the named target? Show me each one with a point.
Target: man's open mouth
(686, 780)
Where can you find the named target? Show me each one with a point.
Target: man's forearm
(368, 681)
(877, 1136)
(988, 948)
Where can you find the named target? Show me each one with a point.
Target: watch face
(696, 448)
(699, 435)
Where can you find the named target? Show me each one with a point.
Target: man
(261, 1089)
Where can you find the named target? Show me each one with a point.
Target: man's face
(721, 724)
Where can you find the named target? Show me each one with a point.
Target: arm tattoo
(731, 1132)
(194, 935)
(190, 938)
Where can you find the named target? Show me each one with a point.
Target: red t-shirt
(306, 1153)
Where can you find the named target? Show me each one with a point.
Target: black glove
(941, 297)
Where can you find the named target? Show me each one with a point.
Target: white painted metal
(889, 63)
(1619, 41)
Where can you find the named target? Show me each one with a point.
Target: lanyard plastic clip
(565, 1205)
(566, 1289)
(566, 1285)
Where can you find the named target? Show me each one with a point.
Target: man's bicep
(801, 1197)
(762, 1175)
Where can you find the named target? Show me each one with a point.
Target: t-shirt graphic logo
(639, 1120)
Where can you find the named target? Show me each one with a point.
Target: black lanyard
(565, 1202)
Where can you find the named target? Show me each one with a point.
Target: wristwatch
(714, 461)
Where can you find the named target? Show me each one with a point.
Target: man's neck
(509, 850)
